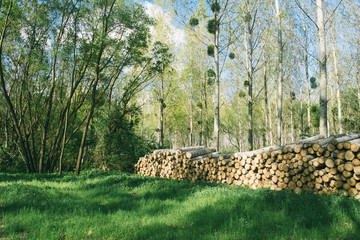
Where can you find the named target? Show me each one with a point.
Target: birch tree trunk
(217, 81)
(301, 95)
(280, 74)
(358, 73)
(306, 63)
(206, 135)
(240, 127)
(337, 80)
(250, 73)
(323, 71)
(266, 99)
(270, 124)
(161, 114)
(292, 120)
(191, 137)
(201, 113)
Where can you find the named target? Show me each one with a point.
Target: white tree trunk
(250, 73)
(306, 63)
(301, 95)
(240, 127)
(161, 114)
(217, 83)
(292, 121)
(191, 137)
(337, 80)
(266, 99)
(280, 74)
(358, 72)
(206, 125)
(323, 72)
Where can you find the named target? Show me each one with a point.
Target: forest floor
(113, 205)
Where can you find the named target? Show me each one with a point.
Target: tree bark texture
(217, 81)
(280, 74)
(322, 65)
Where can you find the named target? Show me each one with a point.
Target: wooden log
(329, 163)
(348, 166)
(351, 181)
(198, 152)
(349, 155)
(352, 191)
(347, 138)
(357, 170)
(355, 145)
(330, 140)
(347, 145)
(338, 162)
(356, 162)
(340, 146)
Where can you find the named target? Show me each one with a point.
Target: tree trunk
(250, 73)
(142, 121)
(301, 96)
(337, 80)
(292, 120)
(86, 127)
(63, 141)
(357, 76)
(6, 132)
(280, 74)
(217, 82)
(91, 111)
(51, 95)
(240, 125)
(266, 99)
(161, 114)
(23, 150)
(206, 135)
(191, 122)
(323, 71)
(201, 117)
(306, 63)
(48, 114)
(270, 125)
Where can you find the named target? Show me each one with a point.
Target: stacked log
(318, 164)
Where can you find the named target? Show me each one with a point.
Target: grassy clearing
(109, 205)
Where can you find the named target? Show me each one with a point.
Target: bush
(122, 146)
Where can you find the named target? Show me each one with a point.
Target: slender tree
(280, 72)
(323, 68)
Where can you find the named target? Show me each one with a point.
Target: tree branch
(333, 12)
(297, 3)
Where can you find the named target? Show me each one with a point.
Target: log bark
(199, 152)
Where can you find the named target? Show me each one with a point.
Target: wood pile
(318, 164)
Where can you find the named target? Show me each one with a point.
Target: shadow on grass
(105, 194)
(233, 213)
(263, 214)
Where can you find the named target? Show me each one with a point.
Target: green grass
(111, 205)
